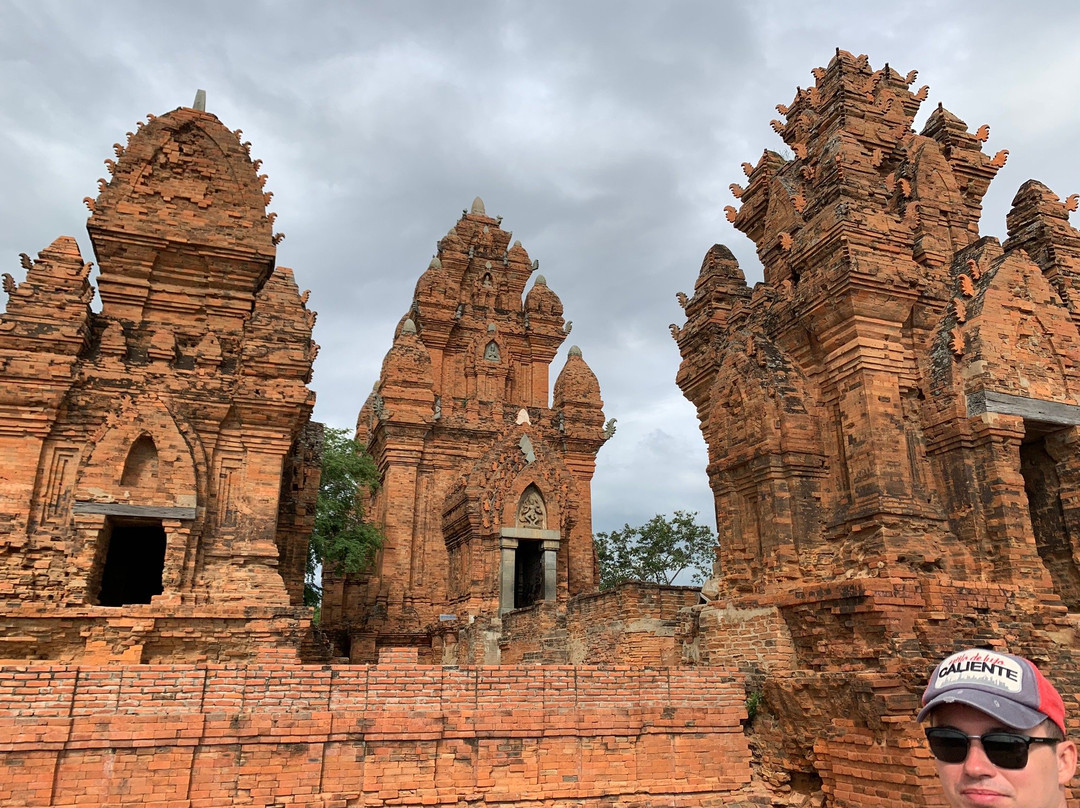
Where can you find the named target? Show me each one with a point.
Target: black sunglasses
(1006, 750)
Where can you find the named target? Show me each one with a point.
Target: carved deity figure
(531, 511)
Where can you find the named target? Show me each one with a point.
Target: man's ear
(1066, 759)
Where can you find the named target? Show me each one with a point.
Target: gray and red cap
(1006, 687)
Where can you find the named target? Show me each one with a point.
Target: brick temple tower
(485, 495)
(157, 481)
(891, 419)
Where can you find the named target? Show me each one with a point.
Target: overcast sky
(605, 133)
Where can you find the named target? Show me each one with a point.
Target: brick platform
(388, 734)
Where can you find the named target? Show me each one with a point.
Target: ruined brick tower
(485, 494)
(891, 419)
(157, 481)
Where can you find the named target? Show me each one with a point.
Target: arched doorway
(528, 555)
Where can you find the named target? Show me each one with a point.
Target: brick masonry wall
(752, 638)
(632, 624)
(402, 734)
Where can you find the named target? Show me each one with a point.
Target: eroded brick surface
(632, 624)
(891, 421)
(485, 494)
(159, 466)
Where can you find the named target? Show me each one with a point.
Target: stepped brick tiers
(485, 497)
(159, 467)
(156, 499)
(892, 422)
(891, 419)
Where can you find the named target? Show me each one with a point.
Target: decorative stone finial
(409, 327)
(478, 207)
(435, 263)
(575, 351)
(200, 101)
(491, 328)
(541, 280)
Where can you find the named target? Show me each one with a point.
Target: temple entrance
(1043, 488)
(528, 555)
(134, 562)
(528, 573)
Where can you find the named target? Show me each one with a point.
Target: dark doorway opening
(528, 573)
(134, 563)
(1043, 488)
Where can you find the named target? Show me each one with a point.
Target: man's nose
(977, 764)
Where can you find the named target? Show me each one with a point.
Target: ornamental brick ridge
(159, 465)
(891, 425)
(485, 492)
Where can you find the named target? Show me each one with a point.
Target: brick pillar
(1009, 542)
(88, 552)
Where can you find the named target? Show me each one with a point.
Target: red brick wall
(216, 735)
(749, 637)
(534, 635)
(634, 623)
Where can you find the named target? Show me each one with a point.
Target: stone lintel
(529, 533)
(1030, 409)
(144, 511)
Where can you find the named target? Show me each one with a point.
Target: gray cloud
(606, 134)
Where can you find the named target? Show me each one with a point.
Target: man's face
(978, 782)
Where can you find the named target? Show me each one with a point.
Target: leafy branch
(343, 541)
(657, 551)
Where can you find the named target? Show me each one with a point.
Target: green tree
(342, 541)
(656, 551)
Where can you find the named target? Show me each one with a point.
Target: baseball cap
(1006, 687)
